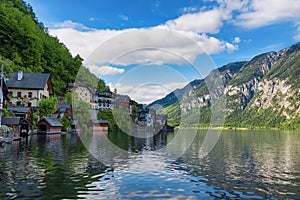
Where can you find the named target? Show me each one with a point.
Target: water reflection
(252, 164)
(243, 164)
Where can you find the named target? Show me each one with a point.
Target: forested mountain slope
(26, 45)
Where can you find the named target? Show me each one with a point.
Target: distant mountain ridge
(262, 92)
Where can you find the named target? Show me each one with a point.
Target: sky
(148, 48)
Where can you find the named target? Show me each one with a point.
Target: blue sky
(175, 34)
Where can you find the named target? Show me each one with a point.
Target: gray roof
(101, 121)
(18, 109)
(10, 120)
(52, 121)
(63, 105)
(29, 81)
(54, 115)
(75, 85)
(103, 91)
(122, 98)
(74, 122)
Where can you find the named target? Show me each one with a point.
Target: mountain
(26, 45)
(262, 92)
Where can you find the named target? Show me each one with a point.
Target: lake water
(242, 164)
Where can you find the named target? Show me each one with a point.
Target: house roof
(122, 98)
(10, 121)
(25, 121)
(102, 91)
(101, 121)
(52, 121)
(18, 109)
(54, 115)
(29, 81)
(74, 122)
(75, 85)
(63, 105)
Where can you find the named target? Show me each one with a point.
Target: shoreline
(235, 128)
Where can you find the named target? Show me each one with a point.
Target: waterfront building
(27, 89)
(84, 92)
(23, 112)
(49, 125)
(104, 99)
(122, 102)
(64, 109)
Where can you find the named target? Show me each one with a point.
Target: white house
(27, 89)
(104, 99)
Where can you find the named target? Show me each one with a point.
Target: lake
(242, 164)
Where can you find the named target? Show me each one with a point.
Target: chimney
(20, 75)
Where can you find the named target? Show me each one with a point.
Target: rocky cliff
(264, 92)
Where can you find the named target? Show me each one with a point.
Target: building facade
(104, 99)
(27, 89)
(84, 92)
(49, 125)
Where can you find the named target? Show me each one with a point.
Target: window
(19, 94)
(29, 104)
(10, 94)
(29, 94)
(18, 103)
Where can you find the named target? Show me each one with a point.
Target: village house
(19, 126)
(12, 122)
(104, 99)
(63, 110)
(99, 125)
(23, 112)
(49, 125)
(27, 89)
(161, 120)
(84, 92)
(123, 102)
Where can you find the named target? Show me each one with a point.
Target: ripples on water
(248, 164)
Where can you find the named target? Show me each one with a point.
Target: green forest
(25, 44)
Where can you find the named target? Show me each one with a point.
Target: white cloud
(124, 17)
(202, 22)
(190, 9)
(70, 24)
(207, 20)
(261, 13)
(236, 40)
(147, 93)
(157, 45)
(200, 26)
(197, 26)
(82, 42)
(297, 36)
(230, 47)
(105, 70)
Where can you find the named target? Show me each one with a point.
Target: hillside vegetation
(26, 45)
